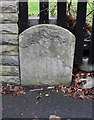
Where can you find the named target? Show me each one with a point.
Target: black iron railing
(61, 21)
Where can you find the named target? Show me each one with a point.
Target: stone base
(85, 66)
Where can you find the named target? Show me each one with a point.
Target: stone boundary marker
(46, 55)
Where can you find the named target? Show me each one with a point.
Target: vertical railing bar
(22, 24)
(23, 16)
(44, 12)
(80, 22)
(61, 13)
(91, 56)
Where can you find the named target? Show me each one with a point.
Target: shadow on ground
(27, 106)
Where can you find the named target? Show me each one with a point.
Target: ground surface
(27, 106)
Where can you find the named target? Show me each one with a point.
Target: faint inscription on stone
(46, 55)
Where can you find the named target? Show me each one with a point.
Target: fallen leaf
(46, 94)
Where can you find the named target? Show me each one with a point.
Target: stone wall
(9, 65)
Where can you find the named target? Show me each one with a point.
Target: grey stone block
(9, 28)
(10, 79)
(8, 39)
(8, 17)
(8, 7)
(9, 60)
(8, 50)
(9, 70)
(46, 55)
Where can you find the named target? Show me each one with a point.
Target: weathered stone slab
(9, 60)
(46, 55)
(8, 17)
(7, 39)
(10, 79)
(8, 28)
(9, 70)
(8, 6)
(89, 82)
(8, 50)
(85, 66)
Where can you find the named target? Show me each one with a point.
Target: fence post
(44, 12)
(23, 16)
(61, 13)
(81, 17)
(91, 57)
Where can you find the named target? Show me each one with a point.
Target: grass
(33, 8)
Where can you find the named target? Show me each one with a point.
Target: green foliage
(90, 9)
(53, 9)
(33, 8)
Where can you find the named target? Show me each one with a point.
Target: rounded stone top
(46, 30)
(48, 26)
(46, 55)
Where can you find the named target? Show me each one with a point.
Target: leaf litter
(75, 90)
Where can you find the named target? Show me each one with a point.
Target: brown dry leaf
(20, 92)
(82, 97)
